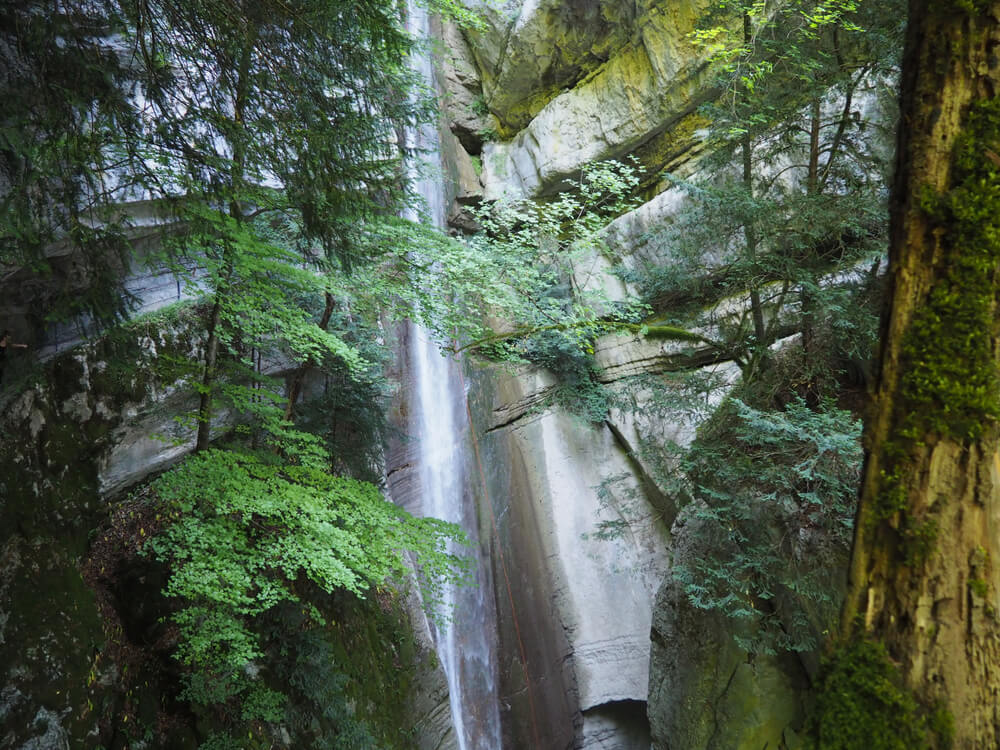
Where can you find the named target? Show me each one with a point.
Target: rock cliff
(599, 649)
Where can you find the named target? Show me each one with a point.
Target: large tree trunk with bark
(925, 570)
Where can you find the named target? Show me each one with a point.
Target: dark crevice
(396, 469)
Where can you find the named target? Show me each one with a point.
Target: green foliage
(221, 741)
(192, 105)
(972, 7)
(288, 111)
(67, 103)
(238, 101)
(773, 59)
(540, 252)
(321, 705)
(578, 391)
(349, 414)
(489, 134)
(535, 244)
(702, 264)
(979, 587)
(351, 681)
(456, 10)
(266, 135)
(771, 496)
(246, 530)
(479, 105)
(265, 312)
(783, 229)
(419, 273)
(862, 703)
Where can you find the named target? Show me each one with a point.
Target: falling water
(440, 426)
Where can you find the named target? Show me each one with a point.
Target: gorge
(623, 336)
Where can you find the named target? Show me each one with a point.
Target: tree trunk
(812, 173)
(807, 296)
(208, 377)
(224, 287)
(924, 571)
(299, 378)
(758, 352)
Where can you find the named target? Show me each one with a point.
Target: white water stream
(439, 424)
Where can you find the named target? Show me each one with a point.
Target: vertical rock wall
(547, 87)
(575, 610)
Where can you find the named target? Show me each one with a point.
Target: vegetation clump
(771, 496)
(246, 533)
(862, 703)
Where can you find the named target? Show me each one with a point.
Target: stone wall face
(597, 644)
(64, 449)
(575, 621)
(571, 83)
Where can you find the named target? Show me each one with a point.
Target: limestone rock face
(429, 707)
(570, 83)
(591, 598)
(27, 297)
(594, 583)
(549, 46)
(650, 85)
(56, 664)
(459, 80)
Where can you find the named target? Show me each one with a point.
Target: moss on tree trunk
(923, 581)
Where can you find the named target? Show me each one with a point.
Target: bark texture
(924, 573)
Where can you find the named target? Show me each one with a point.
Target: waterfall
(440, 426)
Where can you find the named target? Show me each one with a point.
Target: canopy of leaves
(66, 92)
(247, 531)
(773, 58)
(207, 108)
(305, 96)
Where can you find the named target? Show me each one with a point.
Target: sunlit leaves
(773, 58)
(247, 530)
(537, 247)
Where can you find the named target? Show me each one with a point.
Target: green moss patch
(950, 382)
(861, 703)
(50, 640)
(949, 387)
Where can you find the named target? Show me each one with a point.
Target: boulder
(705, 692)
